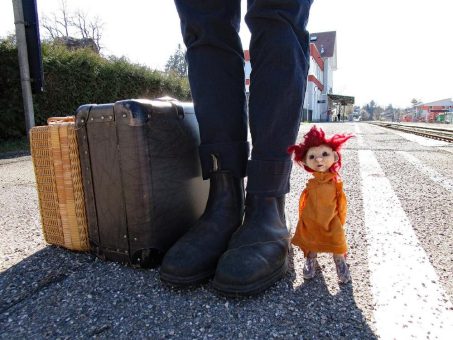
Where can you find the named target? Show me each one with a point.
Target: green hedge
(73, 78)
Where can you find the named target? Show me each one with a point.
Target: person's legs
(279, 53)
(216, 74)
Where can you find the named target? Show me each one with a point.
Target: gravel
(50, 292)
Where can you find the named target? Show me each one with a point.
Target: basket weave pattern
(59, 183)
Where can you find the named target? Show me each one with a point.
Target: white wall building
(315, 87)
(323, 47)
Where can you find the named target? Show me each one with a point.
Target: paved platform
(400, 207)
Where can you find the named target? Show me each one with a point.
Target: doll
(322, 205)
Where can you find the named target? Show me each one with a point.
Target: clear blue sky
(389, 51)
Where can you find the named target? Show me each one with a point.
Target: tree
(73, 28)
(397, 114)
(370, 108)
(177, 63)
(378, 110)
(390, 112)
(414, 103)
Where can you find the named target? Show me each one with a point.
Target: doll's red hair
(316, 137)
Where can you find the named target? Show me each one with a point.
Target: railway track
(429, 132)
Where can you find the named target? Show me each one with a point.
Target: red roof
(325, 42)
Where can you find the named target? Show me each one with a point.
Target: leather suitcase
(56, 164)
(141, 175)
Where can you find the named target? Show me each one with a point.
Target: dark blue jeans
(279, 53)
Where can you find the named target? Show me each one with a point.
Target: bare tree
(58, 25)
(88, 28)
(67, 27)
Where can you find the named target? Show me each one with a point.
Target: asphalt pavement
(400, 234)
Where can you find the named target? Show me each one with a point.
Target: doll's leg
(342, 268)
(310, 266)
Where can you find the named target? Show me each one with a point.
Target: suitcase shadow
(33, 275)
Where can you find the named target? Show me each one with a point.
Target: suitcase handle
(58, 120)
(174, 103)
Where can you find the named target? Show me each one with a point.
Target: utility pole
(21, 42)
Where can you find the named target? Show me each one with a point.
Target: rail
(429, 132)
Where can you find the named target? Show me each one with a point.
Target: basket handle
(58, 120)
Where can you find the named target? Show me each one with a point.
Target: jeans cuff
(268, 178)
(228, 156)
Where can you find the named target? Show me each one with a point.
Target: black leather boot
(193, 258)
(257, 254)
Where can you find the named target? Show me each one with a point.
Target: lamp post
(27, 96)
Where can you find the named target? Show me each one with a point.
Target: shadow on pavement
(331, 315)
(57, 293)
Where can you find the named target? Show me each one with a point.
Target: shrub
(73, 78)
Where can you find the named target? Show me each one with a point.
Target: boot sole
(252, 288)
(178, 281)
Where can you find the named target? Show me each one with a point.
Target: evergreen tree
(177, 63)
(370, 108)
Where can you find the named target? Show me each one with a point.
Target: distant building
(323, 61)
(436, 111)
(314, 100)
(76, 43)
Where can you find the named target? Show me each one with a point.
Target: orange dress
(322, 214)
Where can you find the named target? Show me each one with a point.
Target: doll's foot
(310, 266)
(342, 268)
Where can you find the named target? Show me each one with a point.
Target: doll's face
(320, 158)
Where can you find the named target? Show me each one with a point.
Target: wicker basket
(56, 163)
